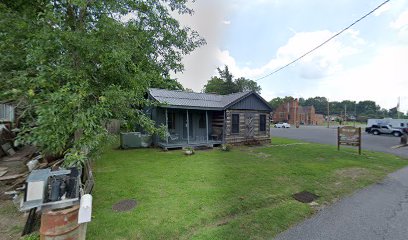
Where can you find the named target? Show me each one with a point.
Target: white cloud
(379, 77)
(322, 62)
(200, 64)
(383, 80)
(382, 9)
(401, 21)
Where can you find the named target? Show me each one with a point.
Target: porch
(181, 144)
(193, 128)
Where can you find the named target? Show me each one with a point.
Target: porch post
(206, 123)
(188, 129)
(224, 128)
(167, 127)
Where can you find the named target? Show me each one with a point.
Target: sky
(367, 62)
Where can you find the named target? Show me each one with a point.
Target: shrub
(189, 150)
(226, 147)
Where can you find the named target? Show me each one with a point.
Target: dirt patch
(305, 197)
(353, 173)
(124, 205)
(11, 221)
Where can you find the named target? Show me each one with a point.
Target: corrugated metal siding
(250, 103)
(6, 112)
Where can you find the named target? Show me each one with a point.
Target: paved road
(375, 213)
(382, 143)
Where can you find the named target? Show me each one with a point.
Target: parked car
(282, 125)
(384, 129)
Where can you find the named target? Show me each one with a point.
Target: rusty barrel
(60, 224)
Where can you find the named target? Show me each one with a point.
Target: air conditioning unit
(130, 140)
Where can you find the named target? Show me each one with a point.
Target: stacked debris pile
(6, 140)
(21, 170)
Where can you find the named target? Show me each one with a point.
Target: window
(262, 123)
(171, 120)
(202, 121)
(235, 123)
(281, 114)
(402, 124)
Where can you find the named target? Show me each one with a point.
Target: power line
(323, 43)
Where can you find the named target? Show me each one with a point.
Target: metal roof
(182, 99)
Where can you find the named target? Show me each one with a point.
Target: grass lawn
(241, 194)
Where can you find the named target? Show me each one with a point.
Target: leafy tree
(368, 109)
(335, 108)
(319, 103)
(244, 85)
(71, 65)
(302, 101)
(276, 102)
(215, 85)
(225, 84)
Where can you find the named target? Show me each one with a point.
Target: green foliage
(226, 147)
(244, 85)
(225, 84)
(276, 102)
(189, 150)
(70, 66)
(33, 236)
(74, 159)
(319, 103)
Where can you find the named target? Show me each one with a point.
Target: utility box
(130, 140)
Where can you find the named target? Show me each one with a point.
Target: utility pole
(345, 113)
(288, 111)
(355, 113)
(328, 114)
(398, 106)
(295, 113)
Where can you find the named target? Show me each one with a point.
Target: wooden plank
(10, 177)
(3, 172)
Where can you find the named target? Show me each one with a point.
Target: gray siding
(251, 102)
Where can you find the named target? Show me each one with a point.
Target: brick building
(292, 113)
(286, 112)
(319, 119)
